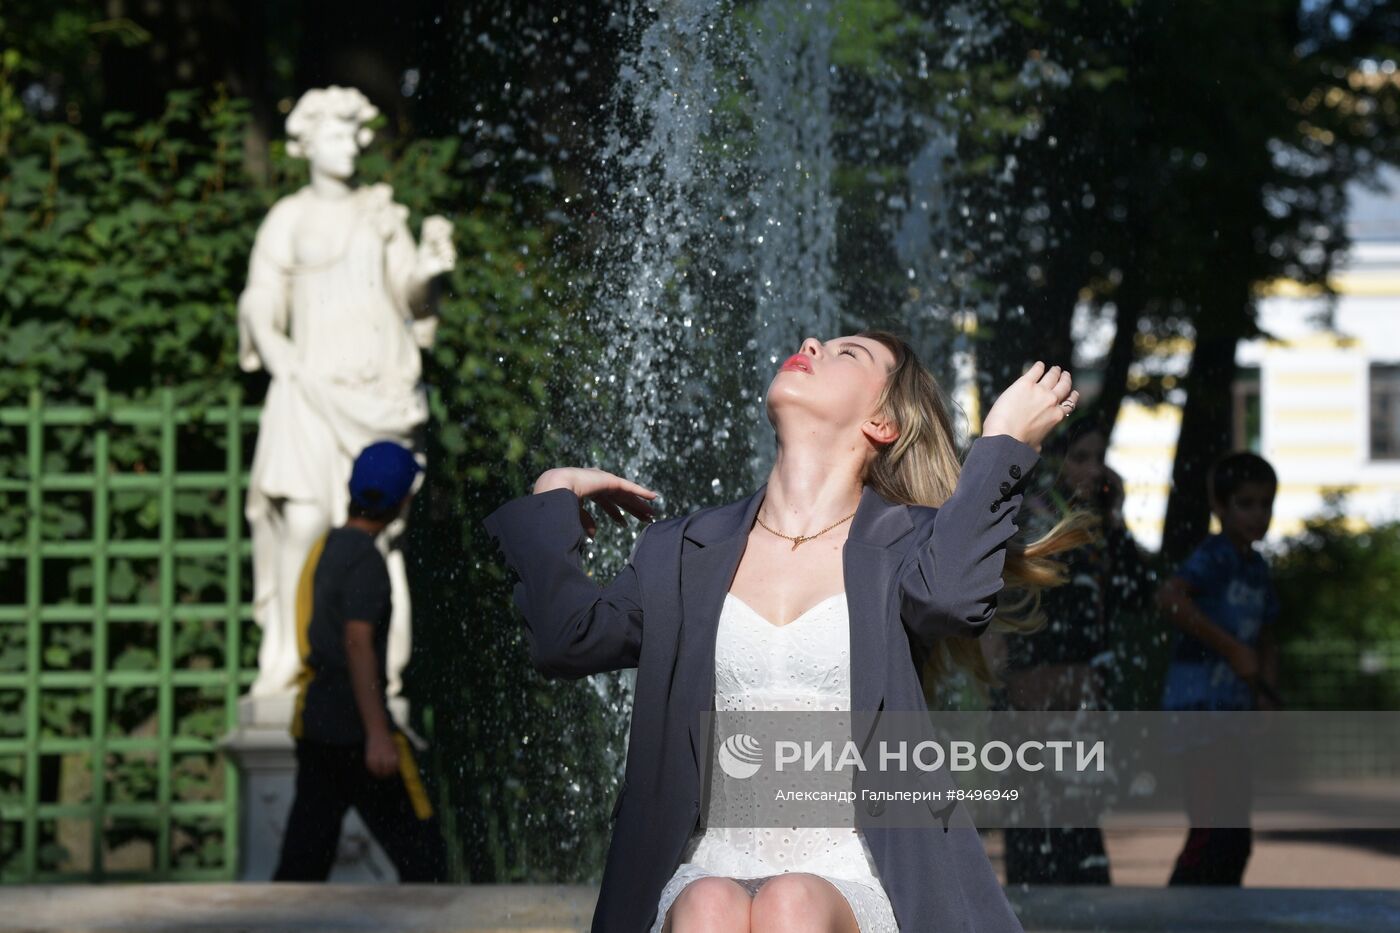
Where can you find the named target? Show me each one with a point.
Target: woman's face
(837, 382)
(331, 148)
(1082, 473)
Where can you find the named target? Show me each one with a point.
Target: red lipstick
(797, 361)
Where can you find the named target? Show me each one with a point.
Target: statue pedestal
(265, 755)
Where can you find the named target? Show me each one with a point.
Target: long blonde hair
(921, 467)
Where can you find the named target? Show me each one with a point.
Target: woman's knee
(799, 901)
(710, 904)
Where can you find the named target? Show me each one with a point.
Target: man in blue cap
(349, 753)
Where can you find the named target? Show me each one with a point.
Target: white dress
(804, 665)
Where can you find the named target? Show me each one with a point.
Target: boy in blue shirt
(1223, 604)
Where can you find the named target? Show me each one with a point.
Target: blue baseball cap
(383, 474)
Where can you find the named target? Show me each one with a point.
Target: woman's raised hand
(1031, 406)
(612, 493)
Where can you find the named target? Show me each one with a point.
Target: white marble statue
(337, 307)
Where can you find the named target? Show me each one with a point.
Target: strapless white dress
(804, 665)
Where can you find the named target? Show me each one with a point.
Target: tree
(1162, 159)
(1256, 152)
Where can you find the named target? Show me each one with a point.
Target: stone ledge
(207, 908)
(298, 908)
(1060, 909)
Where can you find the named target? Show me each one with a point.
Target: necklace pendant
(796, 541)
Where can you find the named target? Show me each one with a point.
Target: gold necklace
(798, 539)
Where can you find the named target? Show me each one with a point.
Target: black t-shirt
(348, 580)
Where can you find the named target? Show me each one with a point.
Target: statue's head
(327, 128)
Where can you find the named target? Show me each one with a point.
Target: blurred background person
(1071, 663)
(349, 751)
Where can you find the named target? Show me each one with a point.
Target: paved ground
(1313, 859)
(1296, 883)
(269, 908)
(265, 908)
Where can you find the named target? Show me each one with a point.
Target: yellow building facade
(1319, 397)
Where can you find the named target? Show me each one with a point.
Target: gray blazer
(913, 574)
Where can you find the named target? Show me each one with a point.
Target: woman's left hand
(1031, 406)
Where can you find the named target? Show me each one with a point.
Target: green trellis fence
(126, 637)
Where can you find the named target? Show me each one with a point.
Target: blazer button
(995, 506)
(1015, 471)
(1005, 488)
(875, 807)
(695, 805)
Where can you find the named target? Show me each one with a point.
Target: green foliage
(1339, 627)
(1336, 582)
(867, 29)
(121, 260)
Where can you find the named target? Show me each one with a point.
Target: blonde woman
(868, 552)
